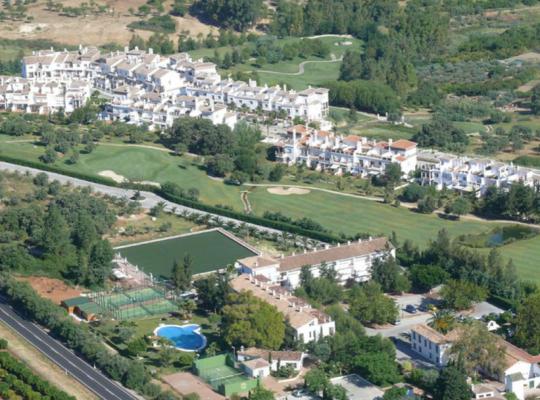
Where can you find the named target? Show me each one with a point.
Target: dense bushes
(15, 376)
(161, 24)
(362, 95)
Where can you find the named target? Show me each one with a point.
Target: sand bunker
(286, 191)
(113, 175)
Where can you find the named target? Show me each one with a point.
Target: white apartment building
(351, 261)
(473, 175)
(308, 323)
(25, 95)
(51, 65)
(521, 374)
(432, 344)
(170, 77)
(323, 150)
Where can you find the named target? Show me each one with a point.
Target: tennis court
(219, 372)
(210, 250)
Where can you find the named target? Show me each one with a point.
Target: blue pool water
(185, 337)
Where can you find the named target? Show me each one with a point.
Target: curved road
(103, 387)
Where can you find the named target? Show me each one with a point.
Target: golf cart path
(301, 67)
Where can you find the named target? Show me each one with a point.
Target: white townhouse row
(351, 261)
(172, 76)
(323, 150)
(521, 374)
(474, 175)
(24, 95)
(308, 323)
(159, 112)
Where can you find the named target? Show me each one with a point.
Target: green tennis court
(209, 250)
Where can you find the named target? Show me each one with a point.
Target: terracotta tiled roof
(434, 336)
(256, 363)
(332, 254)
(403, 144)
(257, 262)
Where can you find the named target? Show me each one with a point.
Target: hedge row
(32, 383)
(279, 225)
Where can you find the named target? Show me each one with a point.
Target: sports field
(210, 250)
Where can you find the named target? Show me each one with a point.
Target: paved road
(149, 199)
(93, 379)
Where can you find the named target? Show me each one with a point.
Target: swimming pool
(184, 337)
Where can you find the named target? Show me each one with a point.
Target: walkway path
(301, 67)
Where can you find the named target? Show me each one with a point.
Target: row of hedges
(325, 237)
(17, 377)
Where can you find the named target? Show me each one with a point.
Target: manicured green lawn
(337, 213)
(352, 215)
(315, 74)
(209, 251)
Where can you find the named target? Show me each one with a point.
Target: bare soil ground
(50, 288)
(286, 191)
(22, 350)
(91, 29)
(186, 383)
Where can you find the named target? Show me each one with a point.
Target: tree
(441, 133)
(277, 172)
(99, 263)
(212, 292)
(316, 380)
(260, 393)
(388, 274)
(369, 305)
(249, 321)
(237, 14)
(458, 207)
(49, 157)
(528, 324)
(535, 100)
(135, 376)
(182, 273)
(443, 321)
(460, 294)
(477, 349)
(396, 393)
(426, 277)
(379, 368)
(136, 346)
(55, 236)
(452, 385)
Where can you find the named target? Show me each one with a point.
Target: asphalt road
(93, 379)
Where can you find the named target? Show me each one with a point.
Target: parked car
(411, 309)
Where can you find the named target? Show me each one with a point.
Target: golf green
(210, 251)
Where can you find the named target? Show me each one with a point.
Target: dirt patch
(38, 363)
(112, 175)
(109, 27)
(286, 191)
(149, 183)
(50, 288)
(186, 383)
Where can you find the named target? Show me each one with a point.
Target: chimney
(150, 51)
(339, 245)
(126, 49)
(371, 238)
(293, 253)
(282, 256)
(359, 240)
(390, 141)
(348, 242)
(305, 251)
(326, 246)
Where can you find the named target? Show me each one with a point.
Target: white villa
(309, 324)
(144, 87)
(323, 150)
(25, 95)
(351, 261)
(259, 362)
(521, 375)
(468, 174)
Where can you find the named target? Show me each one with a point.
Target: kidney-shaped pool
(184, 337)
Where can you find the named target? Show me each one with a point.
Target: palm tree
(443, 321)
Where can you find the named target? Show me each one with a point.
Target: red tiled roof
(403, 144)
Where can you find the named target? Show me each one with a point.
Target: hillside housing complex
(143, 87)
